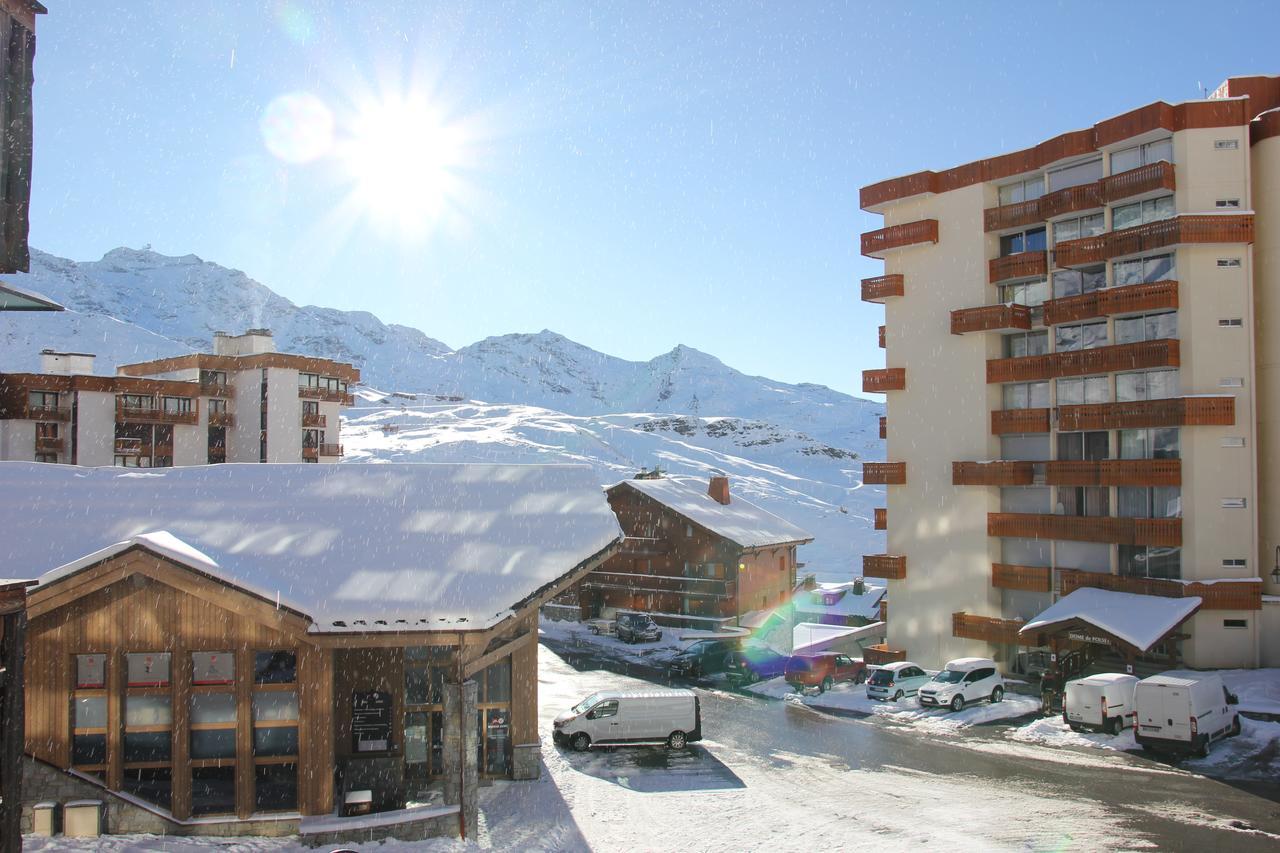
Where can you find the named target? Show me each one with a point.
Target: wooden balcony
(1155, 176)
(1183, 229)
(884, 427)
(1026, 578)
(884, 379)
(1013, 215)
(985, 628)
(643, 582)
(881, 654)
(876, 243)
(309, 393)
(146, 415)
(990, 318)
(997, 473)
(1085, 250)
(888, 566)
(1071, 200)
(330, 450)
(1219, 595)
(1177, 411)
(881, 329)
(882, 287)
(1114, 472)
(214, 388)
(881, 518)
(1031, 368)
(222, 419)
(317, 421)
(49, 444)
(645, 546)
(1156, 296)
(1021, 265)
(1013, 421)
(310, 453)
(1077, 528)
(884, 473)
(46, 413)
(1144, 179)
(131, 447)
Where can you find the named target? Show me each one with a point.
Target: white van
(1184, 711)
(644, 717)
(1103, 701)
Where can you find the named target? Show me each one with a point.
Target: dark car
(754, 663)
(637, 628)
(704, 657)
(823, 671)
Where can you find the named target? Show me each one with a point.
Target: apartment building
(1082, 393)
(244, 402)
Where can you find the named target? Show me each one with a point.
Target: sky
(632, 175)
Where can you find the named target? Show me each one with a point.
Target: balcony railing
(881, 337)
(1013, 421)
(1178, 411)
(876, 243)
(888, 566)
(997, 473)
(645, 546)
(986, 628)
(1012, 215)
(1186, 228)
(1154, 176)
(884, 427)
(222, 419)
(214, 388)
(307, 392)
(331, 450)
(148, 415)
(1114, 472)
(1027, 578)
(881, 654)
(882, 287)
(1244, 594)
(990, 318)
(1021, 265)
(49, 444)
(310, 453)
(884, 379)
(643, 582)
(131, 447)
(1031, 368)
(1156, 296)
(884, 473)
(1144, 179)
(1085, 250)
(319, 421)
(1071, 200)
(46, 413)
(1163, 532)
(881, 518)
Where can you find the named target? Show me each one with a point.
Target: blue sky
(632, 175)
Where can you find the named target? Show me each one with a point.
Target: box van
(1103, 701)
(645, 717)
(962, 681)
(1184, 711)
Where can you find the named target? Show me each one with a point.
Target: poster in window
(91, 671)
(371, 721)
(148, 669)
(213, 668)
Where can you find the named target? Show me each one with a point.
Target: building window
(1092, 501)
(425, 668)
(493, 700)
(275, 730)
(1231, 323)
(1026, 395)
(177, 405)
(1147, 327)
(1235, 563)
(217, 407)
(47, 457)
(1020, 191)
(1031, 240)
(688, 531)
(213, 727)
(136, 401)
(1143, 561)
(1085, 389)
(1143, 270)
(1082, 445)
(1079, 336)
(42, 403)
(213, 789)
(312, 438)
(148, 727)
(1075, 282)
(1235, 623)
(1142, 155)
(308, 380)
(1026, 343)
(1029, 293)
(1141, 212)
(1157, 443)
(1075, 228)
(1075, 175)
(1147, 385)
(1149, 502)
(1227, 202)
(89, 715)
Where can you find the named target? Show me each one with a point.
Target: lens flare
(297, 127)
(294, 21)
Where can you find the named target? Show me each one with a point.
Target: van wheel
(676, 740)
(1115, 725)
(997, 695)
(1202, 747)
(1235, 727)
(1074, 727)
(581, 742)
(897, 697)
(827, 684)
(957, 704)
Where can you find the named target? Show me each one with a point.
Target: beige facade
(1078, 380)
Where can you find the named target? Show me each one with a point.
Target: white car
(896, 680)
(963, 681)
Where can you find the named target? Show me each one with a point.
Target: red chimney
(719, 490)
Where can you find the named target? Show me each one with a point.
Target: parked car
(963, 681)
(602, 627)
(705, 657)
(637, 628)
(895, 680)
(1100, 702)
(823, 671)
(754, 663)
(1184, 711)
(647, 717)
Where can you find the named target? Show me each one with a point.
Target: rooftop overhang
(1133, 623)
(16, 299)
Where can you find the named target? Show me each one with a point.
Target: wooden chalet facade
(18, 40)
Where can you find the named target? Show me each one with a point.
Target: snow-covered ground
(1257, 689)
(1051, 731)
(153, 843)
(576, 634)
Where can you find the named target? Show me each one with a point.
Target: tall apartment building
(1083, 392)
(244, 402)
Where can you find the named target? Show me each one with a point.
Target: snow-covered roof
(866, 605)
(740, 521)
(355, 547)
(1139, 620)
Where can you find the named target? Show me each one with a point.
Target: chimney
(809, 582)
(252, 342)
(66, 363)
(719, 489)
(859, 586)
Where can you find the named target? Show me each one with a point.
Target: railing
(644, 546)
(1085, 250)
(638, 582)
(1143, 179)
(876, 243)
(1186, 228)
(222, 419)
(884, 379)
(986, 628)
(1153, 176)
(46, 413)
(1012, 215)
(995, 473)
(1244, 594)
(1071, 199)
(314, 421)
(307, 392)
(1114, 472)
(1155, 296)
(884, 473)
(990, 318)
(882, 287)
(1021, 265)
(212, 388)
(888, 566)
(1164, 532)
(310, 453)
(217, 456)
(1178, 411)
(163, 450)
(881, 518)
(1027, 578)
(131, 447)
(331, 450)
(1031, 368)
(882, 655)
(49, 444)
(882, 337)
(1011, 421)
(884, 427)
(145, 414)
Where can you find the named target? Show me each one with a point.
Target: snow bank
(1258, 689)
(577, 634)
(1254, 754)
(1051, 731)
(907, 711)
(151, 843)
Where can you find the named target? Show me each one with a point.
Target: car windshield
(881, 676)
(586, 703)
(949, 676)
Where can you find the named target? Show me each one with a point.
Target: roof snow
(741, 521)
(1140, 620)
(389, 547)
(847, 603)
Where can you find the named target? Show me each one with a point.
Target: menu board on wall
(371, 721)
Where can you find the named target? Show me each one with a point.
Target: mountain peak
(148, 257)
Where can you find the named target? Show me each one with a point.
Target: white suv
(963, 681)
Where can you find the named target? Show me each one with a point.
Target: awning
(1138, 621)
(16, 299)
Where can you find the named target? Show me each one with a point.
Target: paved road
(1143, 800)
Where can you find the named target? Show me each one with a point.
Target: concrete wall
(1266, 260)
(284, 416)
(242, 439)
(18, 440)
(95, 428)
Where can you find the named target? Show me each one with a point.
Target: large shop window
(425, 668)
(213, 733)
(275, 730)
(89, 715)
(494, 720)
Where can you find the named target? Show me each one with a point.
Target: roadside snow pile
(907, 711)
(1253, 754)
(250, 844)
(577, 634)
(1258, 689)
(1051, 731)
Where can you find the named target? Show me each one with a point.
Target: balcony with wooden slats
(46, 413)
(884, 379)
(1071, 200)
(881, 518)
(875, 244)
(1021, 265)
(1114, 472)
(884, 427)
(884, 473)
(49, 444)
(1016, 215)
(1233, 594)
(1176, 411)
(985, 628)
(1084, 250)
(1033, 368)
(881, 330)
(996, 473)
(1133, 298)
(154, 415)
(1014, 421)
(882, 654)
(309, 392)
(888, 566)
(1025, 578)
(315, 421)
(222, 419)
(1189, 228)
(1164, 532)
(882, 287)
(1144, 179)
(330, 450)
(990, 318)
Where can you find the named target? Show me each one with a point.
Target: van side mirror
(1233, 699)
(591, 715)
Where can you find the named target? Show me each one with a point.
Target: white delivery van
(640, 717)
(1184, 711)
(1103, 701)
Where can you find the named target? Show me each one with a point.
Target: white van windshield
(582, 706)
(949, 676)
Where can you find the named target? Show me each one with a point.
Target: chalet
(852, 603)
(693, 550)
(237, 649)
(18, 35)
